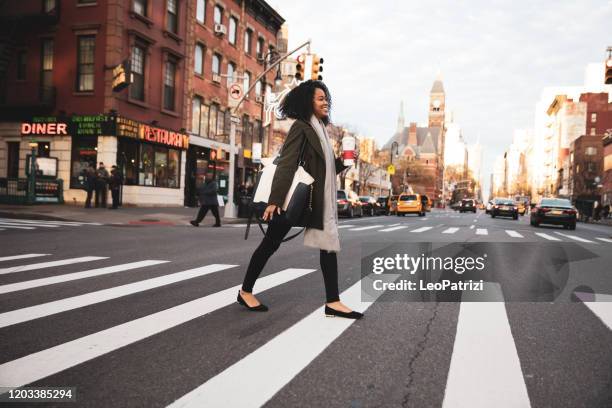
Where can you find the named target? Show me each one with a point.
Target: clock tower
(436, 104)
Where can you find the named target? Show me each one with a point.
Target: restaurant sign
(163, 136)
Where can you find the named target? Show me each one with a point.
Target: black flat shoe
(258, 308)
(329, 312)
(195, 224)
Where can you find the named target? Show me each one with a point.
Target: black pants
(271, 242)
(101, 193)
(90, 192)
(115, 196)
(204, 209)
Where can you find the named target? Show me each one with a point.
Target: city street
(146, 316)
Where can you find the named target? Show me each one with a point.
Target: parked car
(504, 207)
(368, 205)
(393, 204)
(383, 206)
(555, 211)
(426, 203)
(467, 205)
(410, 204)
(348, 203)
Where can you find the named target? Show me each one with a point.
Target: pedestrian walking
(309, 104)
(90, 183)
(596, 210)
(606, 211)
(115, 183)
(101, 186)
(207, 195)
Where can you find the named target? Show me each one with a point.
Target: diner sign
(167, 137)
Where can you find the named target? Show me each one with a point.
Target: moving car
(504, 207)
(393, 204)
(348, 203)
(426, 202)
(410, 204)
(368, 205)
(383, 206)
(556, 211)
(521, 207)
(468, 205)
(488, 207)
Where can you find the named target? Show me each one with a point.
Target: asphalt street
(146, 316)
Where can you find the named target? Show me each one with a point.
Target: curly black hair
(298, 104)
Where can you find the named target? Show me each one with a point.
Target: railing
(15, 191)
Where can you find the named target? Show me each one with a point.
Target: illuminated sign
(92, 125)
(163, 136)
(44, 129)
(127, 127)
(121, 76)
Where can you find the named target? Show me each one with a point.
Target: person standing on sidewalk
(90, 183)
(115, 182)
(101, 185)
(207, 195)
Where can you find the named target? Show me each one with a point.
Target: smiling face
(320, 104)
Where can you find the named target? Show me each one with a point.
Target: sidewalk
(129, 215)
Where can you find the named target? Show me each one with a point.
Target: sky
(494, 57)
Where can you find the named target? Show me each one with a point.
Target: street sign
(391, 169)
(234, 119)
(256, 154)
(235, 93)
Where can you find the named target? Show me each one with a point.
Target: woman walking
(309, 104)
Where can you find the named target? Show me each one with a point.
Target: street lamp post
(32, 179)
(394, 146)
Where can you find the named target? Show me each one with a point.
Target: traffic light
(317, 67)
(299, 67)
(608, 72)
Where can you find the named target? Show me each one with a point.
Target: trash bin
(243, 206)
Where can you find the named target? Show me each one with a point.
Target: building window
(49, 5)
(84, 155)
(260, 48)
(258, 89)
(212, 126)
(593, 131)
(138, 76)
(246, 83)
(85, 66)
(233, 27)
(199, 59)
(169, 85)
(44, 149)
(128, 160)
(172, 16)
(231, 73)
(201, 11)
(140, 7)
(248, 37)
(247, 133)
(220, 125)
(590, 151)
(590, 167)
(156, 165)
(218, 15)
(196, 111)
(216, 64)
(46, 85)
(593, 117)
(12, 170)
(21, 65)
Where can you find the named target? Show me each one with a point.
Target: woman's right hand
(269, 212)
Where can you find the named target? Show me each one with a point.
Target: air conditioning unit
(216, 78)
(259, 99)
(220, 30)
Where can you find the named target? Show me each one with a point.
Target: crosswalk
(18, 224)
(484, 370)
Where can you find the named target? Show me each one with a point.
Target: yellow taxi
(410, 204)
(521, 207)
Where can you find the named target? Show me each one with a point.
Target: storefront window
(127, 160)
(84, 154)
(44, 149)
(174, 161)
(161, 166)
(147, 162)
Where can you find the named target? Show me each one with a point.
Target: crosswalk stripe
(238, 225)
(393, 228)
(600, 307)
(34, 283)
(75, 302)
(485, 369)
(252, 381)
(422, 229)
(16, 224)
(345, 226)
(514, 234)
(574, 237)
(17, 227)
(450, 230)
(472, 226)
(36, 366)
(42, 265)
(24, 256)
(482, 231)
(74, 223)
(366, 228)
(604, 239)
(546, 236)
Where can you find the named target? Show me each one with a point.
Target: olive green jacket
(314, 164)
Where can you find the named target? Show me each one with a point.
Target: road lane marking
(255, 379)
(450, 230)
(600, 306)
(485, 370)
(366, 228)
(422, 229)
(24, 256)
(16, 227)
(35, 366)
(546, 236)
(514, 234)
(71, 223)
(4, 224)
(604, 239)
(574, 237)
(42, 265)
(34, 283)
(472, 226)
(345, 226)
(75, 302)
(482, 231)
(393, 229)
